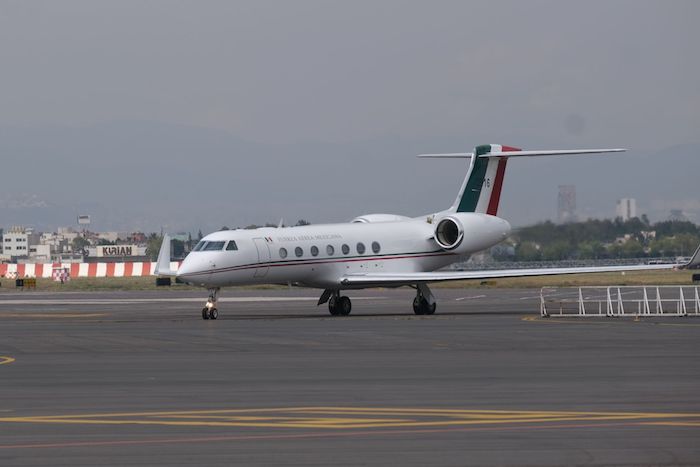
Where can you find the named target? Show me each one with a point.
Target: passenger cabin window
(231, 246)
(330, 251)
(361, 248)
(283, 253)
(375, 247)
(314, 250)
(213, 246)
(345, 248)
(199, 245)
(298, 251)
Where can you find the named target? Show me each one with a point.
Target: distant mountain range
(147, 176)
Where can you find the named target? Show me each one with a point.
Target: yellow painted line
(5, 360)
(553, 319)
(671, 423)
(354, 418)
(464, 411)
(52, 315)
(680, 325)
(571, 320)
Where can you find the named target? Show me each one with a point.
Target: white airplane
(374, 250)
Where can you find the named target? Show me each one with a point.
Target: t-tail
(481, 189)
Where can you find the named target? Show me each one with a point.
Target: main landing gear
(209, 311)
(337, 305)
(424, 303)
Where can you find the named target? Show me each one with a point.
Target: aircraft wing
(396, 279)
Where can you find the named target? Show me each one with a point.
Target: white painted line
(469, 298)
(167, 300)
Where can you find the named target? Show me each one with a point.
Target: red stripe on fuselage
(316, 262)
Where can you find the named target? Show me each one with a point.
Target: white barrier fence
(615, 301)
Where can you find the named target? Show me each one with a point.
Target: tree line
(601, 239)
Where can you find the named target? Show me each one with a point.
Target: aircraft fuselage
(320, 255)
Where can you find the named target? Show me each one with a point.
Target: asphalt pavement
(138, 378)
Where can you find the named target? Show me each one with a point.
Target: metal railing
(616, 301)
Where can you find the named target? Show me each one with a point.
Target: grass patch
(669, 277)
(662, 277)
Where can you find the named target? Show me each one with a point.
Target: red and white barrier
(128, 269)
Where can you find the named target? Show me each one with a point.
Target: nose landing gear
(209, 311)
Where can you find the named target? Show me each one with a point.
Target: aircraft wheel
(333, 307)
(422, 307)
(417, 309)
(213, 313)
(205, 313)
(344, 306)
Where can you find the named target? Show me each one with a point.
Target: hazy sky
(333, 75)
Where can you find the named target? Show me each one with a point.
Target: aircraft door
(263, 257)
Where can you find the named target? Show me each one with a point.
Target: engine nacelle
(469, 232)
(449, 233)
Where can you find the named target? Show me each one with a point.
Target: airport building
(15, 242)
(22, 245)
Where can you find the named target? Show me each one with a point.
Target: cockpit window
(213, 246)
(199, 245)
(231, 246)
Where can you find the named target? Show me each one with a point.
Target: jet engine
(469, 232)
(449, 233)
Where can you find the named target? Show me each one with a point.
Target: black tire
(213, 313)
(422, 307)
(205, 313)
(344, 306)
(417, 309)
(333, 307)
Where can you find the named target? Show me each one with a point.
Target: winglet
(163, 263)
(694, 262)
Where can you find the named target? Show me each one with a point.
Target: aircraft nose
(187, 269)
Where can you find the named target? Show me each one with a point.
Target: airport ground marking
(58, 315)
(553, 319)
(5, 360)
(307, 435)
(346, 418)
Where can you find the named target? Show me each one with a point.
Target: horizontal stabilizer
(451, 155)
(555, 152)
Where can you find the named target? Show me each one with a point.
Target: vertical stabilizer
(481, 189)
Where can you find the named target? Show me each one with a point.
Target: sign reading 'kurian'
(112, 251)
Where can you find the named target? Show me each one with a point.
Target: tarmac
(138, 378)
